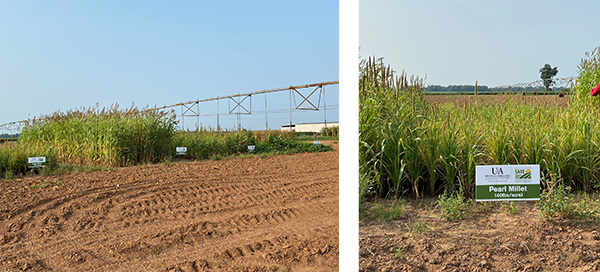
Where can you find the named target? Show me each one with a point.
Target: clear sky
(496, 42)
(60, 55)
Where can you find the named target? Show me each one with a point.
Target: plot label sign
(35, 162)
(507, 182)
(251, 148)
(181, 150)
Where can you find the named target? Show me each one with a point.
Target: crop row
(410, 146)
(122, 137)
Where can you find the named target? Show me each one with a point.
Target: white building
(309, 127)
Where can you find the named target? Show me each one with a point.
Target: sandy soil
(462, 100)
(491, 239)
(277, 213)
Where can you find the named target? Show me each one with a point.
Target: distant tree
(546, 73)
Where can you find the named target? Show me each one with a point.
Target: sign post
(251, 148)
(507, 182)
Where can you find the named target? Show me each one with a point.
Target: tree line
(546, 74)
(9, 136)
(485, 89)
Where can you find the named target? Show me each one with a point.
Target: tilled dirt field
(278, 213)
(490, 239)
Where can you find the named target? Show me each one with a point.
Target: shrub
(330, 131)
(454, 206)
(555, 201)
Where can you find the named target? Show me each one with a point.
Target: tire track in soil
(301, 248)
(163, 205)
(273, 214)
(84, 222)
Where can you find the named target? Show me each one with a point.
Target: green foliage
(588, 78)
(86, 138)
(331, 131)
(588, 209)
(399, 253)
(547, 73)
(389, 130)
(5, 137)
(214, 145)
(389, 212)
(469, 155)
(454, 206)
(281, 145)
(418, 227)
(392, 154)
(450, 147)
(408, 145)
(431, 154)
(260, 135)
(509, 207)
(102, 136)
(40, 185)
(14, 159)
(556, 202)
(203, 144)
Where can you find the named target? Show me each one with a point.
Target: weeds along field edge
(557, 202)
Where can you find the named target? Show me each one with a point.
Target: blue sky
(60, 55)
(495, 42)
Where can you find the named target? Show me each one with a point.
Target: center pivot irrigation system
(241, 104)
(238, 104)
(538, 85)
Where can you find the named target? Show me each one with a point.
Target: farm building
(309, 127)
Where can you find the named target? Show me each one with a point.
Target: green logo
(523, 174)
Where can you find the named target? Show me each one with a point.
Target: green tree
(547, 72)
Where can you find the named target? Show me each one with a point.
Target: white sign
(317, 142)
(181, 150)
(251, 148)
(35, 162)
(507, 182)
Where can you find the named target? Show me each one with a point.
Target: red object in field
(596, 90)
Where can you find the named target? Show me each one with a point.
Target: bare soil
(278, 213)
(462, 100)
(490, 239)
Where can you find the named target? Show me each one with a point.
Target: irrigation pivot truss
(12, 128)
(242, 103)
(238, 104)
(538, 85)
